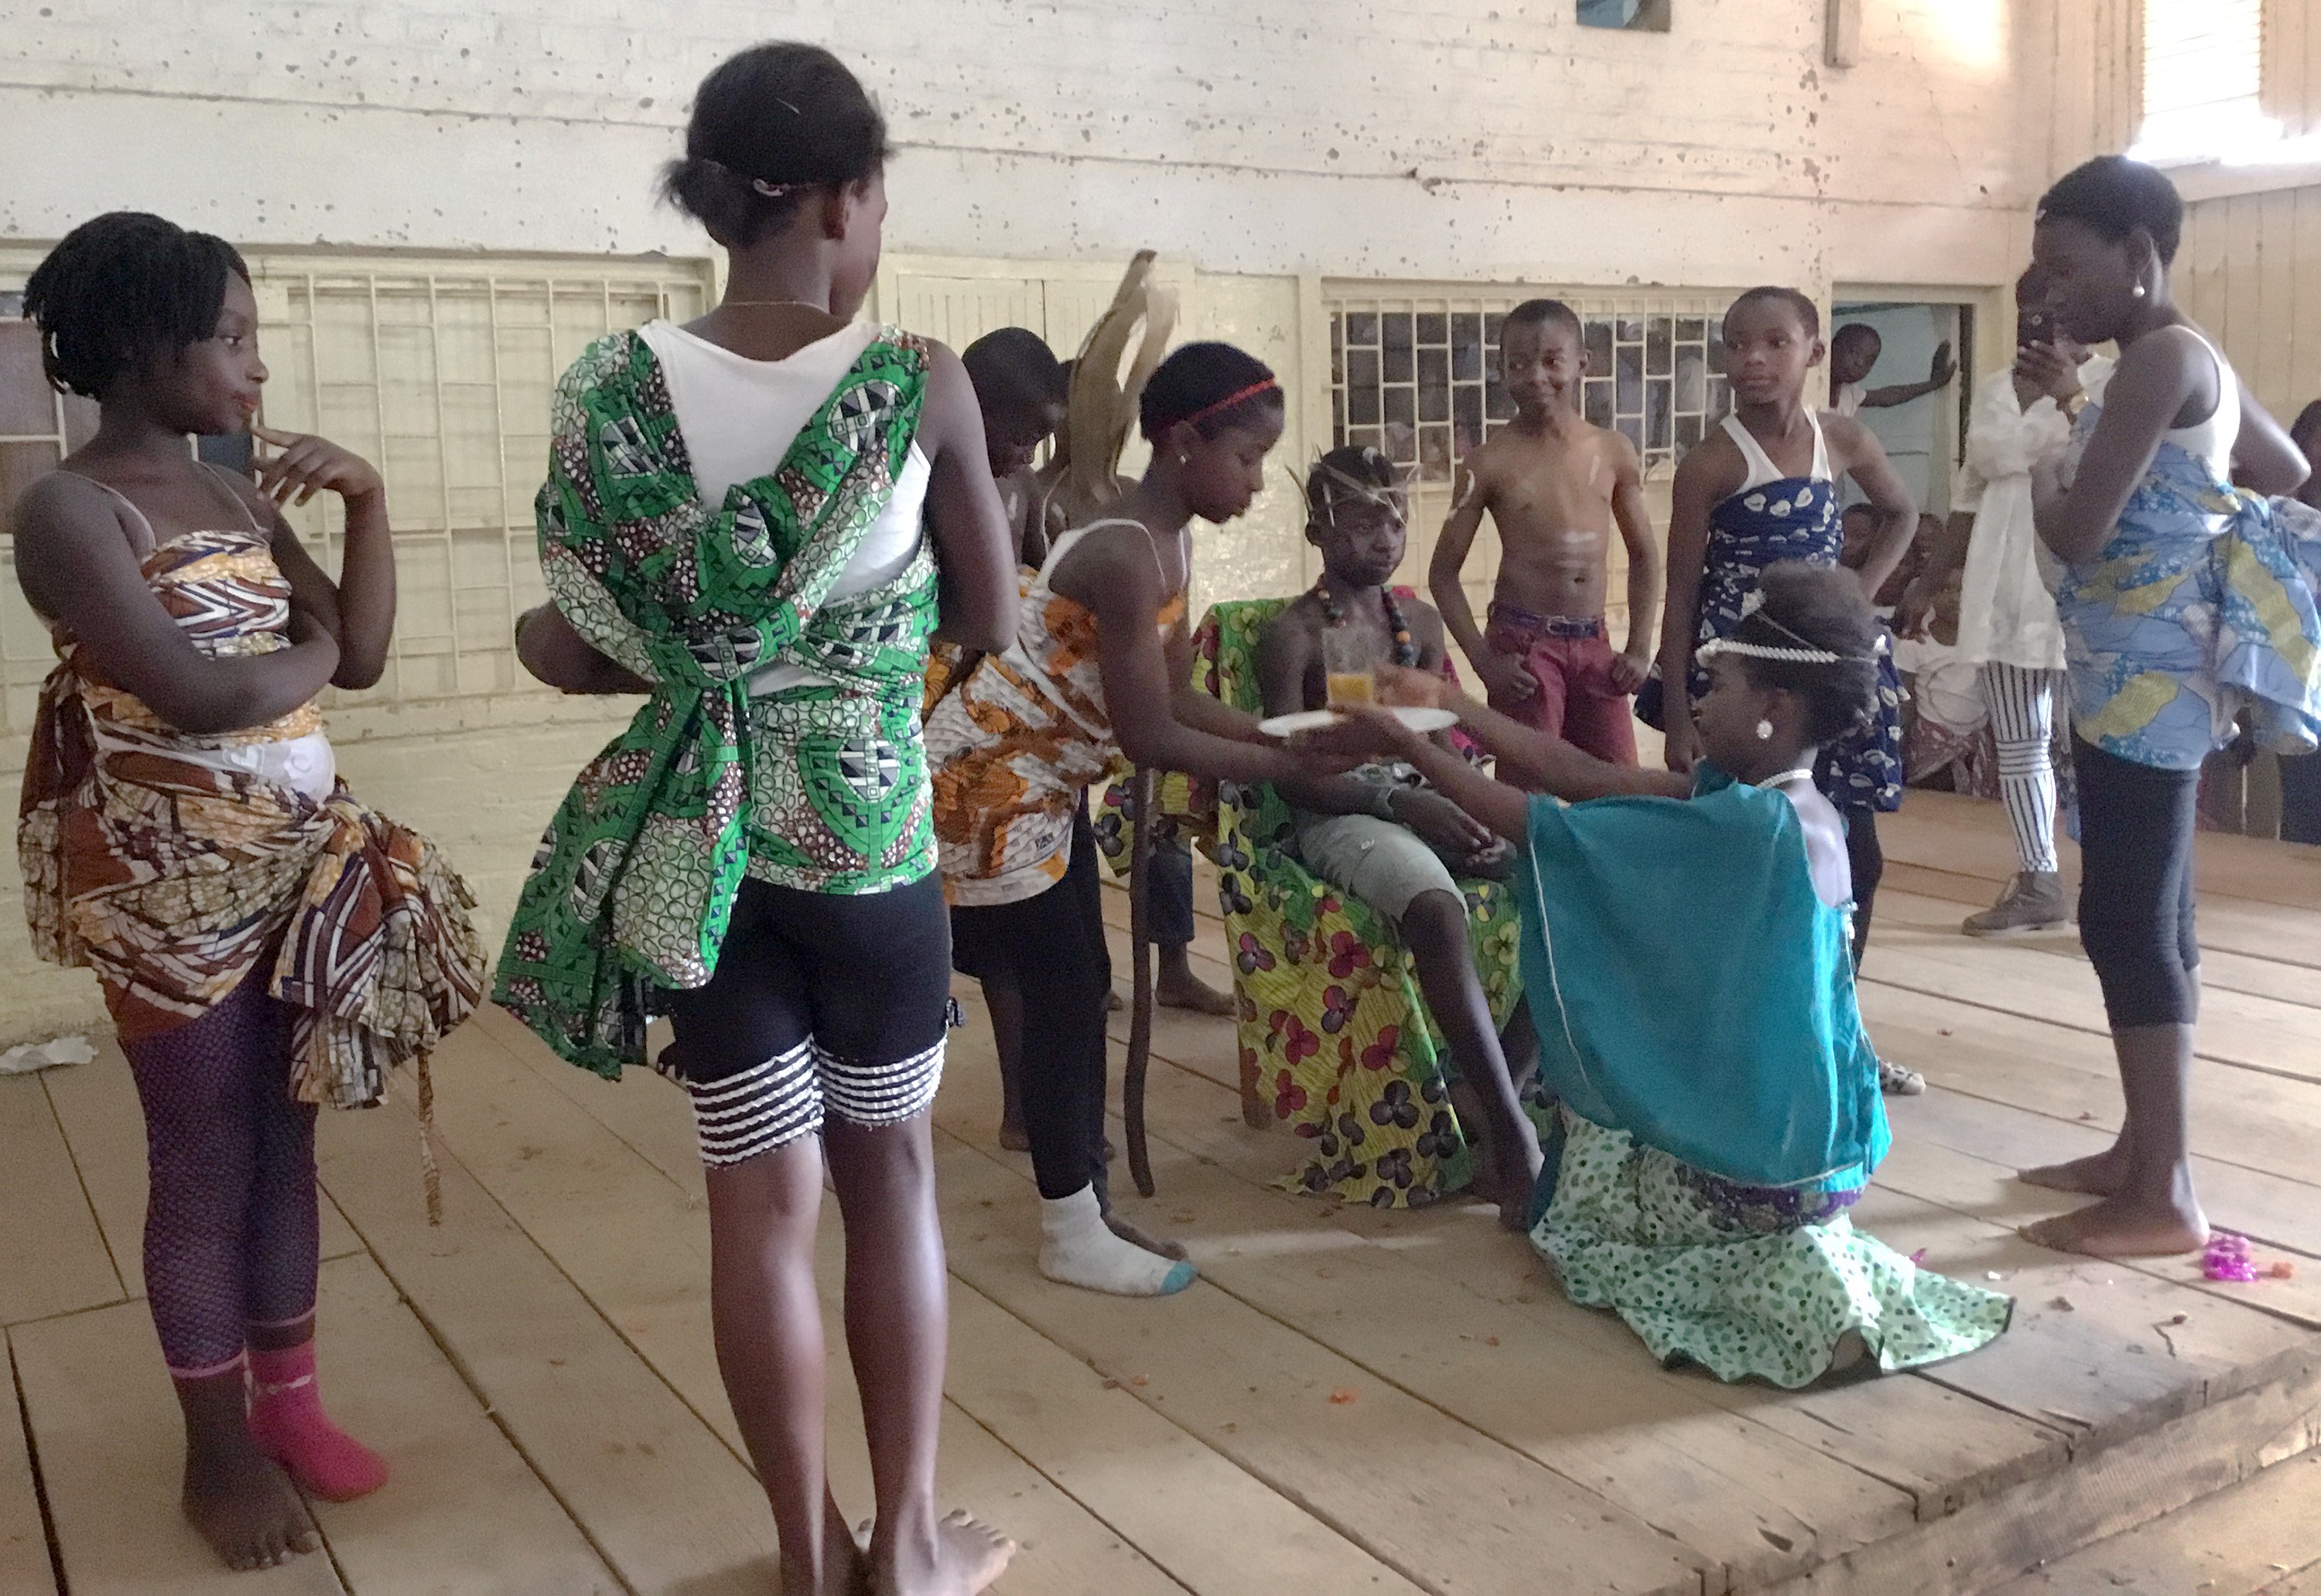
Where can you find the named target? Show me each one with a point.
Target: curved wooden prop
(1140, 1010)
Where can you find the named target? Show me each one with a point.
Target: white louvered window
(438, 371)
(2203, 80)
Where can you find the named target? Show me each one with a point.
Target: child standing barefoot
(2185, 603)
(1555, 485)
(184, 834)
(760, 518)
(1100, 666)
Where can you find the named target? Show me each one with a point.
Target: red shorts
(1572, 662)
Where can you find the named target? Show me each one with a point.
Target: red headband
(1224, 405)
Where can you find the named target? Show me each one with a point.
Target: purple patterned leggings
(230, 1214)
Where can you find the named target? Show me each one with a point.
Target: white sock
(1079, 1249)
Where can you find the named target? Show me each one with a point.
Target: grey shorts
(1384, 864)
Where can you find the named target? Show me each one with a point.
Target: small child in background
(1853, 351)
(1019, 386)
(1379, 832)
(1554, 486)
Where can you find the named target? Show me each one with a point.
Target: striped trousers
(2022, 723)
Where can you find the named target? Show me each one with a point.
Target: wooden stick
(1139, 953)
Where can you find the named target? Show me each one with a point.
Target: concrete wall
(1266, 149)
(1369, 138)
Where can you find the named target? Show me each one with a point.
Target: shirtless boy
(1555, 486)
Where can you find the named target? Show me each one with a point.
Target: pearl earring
(2139, 290)
(1764, 731)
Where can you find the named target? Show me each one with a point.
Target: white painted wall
(1372, 138)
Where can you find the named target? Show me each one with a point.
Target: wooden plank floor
(1351, 1400)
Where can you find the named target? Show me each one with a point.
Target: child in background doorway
(1763, 488)
(1379, 832)
(185, 835)
(1554, 486)
(1853, 351)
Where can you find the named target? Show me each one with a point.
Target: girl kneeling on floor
(1719, 1105)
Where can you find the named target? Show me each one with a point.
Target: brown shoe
(2032, 901)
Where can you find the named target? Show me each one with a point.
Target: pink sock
(287, 1422)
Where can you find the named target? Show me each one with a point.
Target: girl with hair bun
(185, 835)
(1099, 668)
(759, 519)
(1713, 1129)
(2185, 602)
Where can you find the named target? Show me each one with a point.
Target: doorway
(1921, 435)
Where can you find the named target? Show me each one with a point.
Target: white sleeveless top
(1761, 469)
(739, 417)
(2212, 440)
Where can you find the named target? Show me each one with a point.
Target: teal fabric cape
(1691, 989)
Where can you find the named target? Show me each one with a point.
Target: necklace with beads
(1333, 613)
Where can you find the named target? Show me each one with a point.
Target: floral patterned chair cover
(1330, 1026)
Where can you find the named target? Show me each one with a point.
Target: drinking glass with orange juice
(1349, 668)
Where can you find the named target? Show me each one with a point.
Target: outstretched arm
(1561, 770)
(1939, 373)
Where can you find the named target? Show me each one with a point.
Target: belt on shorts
(1518, 619)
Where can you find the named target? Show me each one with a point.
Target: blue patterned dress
(2201, 608)
(1773, 518)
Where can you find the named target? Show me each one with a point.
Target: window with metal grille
(438, 372)
(1417, 376)
(442, 377)
(2203, 78)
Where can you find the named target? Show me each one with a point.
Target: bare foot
(1013, 1137)
(243, 1505)
(2099, 1174)
(1184, 990)
(968, 1555)
(2124, 1228)
(1137, 1238)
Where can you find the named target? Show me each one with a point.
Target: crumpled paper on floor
(29, 1056)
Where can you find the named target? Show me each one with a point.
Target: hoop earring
(1764, 731)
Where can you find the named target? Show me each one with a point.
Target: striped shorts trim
(762, 1108)
(772, 1105)
(880, 1094)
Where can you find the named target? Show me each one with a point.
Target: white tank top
(1761, 469)
(739, 417)
(2212, 440)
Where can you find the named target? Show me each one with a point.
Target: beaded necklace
(1333, 613)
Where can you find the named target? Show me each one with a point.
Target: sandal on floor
(1897, 1081)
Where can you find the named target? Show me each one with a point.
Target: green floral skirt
(1749, 1284)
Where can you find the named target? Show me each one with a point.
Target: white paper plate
(1416, 718)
